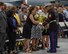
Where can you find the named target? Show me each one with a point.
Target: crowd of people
(40, 24)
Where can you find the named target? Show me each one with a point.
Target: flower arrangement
(40, 17)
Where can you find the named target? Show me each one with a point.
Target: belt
(52, 21)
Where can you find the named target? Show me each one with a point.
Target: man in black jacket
(3, 26)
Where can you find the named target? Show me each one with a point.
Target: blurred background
(34, 2)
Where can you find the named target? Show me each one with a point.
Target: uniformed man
(52, 29)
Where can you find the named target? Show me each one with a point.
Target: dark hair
(14, 7)
(1, 3)
(40, 7)
(31, 9)
(10, 13)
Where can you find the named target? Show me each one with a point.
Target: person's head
(45, 10)
(55, 8)
(14, 8)
(66, 7)
(24, 10)
(39, 7)
(10, 13)
(24, 3)
(1, 5)
(60, 10)
(49, 6)
(32, 10)
(4, 7)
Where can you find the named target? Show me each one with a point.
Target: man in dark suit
(3, 25)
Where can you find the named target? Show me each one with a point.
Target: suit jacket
(3, 22)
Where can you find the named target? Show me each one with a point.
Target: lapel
(4, 15)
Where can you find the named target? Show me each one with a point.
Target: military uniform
(52, 30)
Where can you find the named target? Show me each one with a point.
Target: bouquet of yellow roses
(41, 18)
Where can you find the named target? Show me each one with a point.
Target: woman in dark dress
(27, 28)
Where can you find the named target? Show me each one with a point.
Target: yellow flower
(40, 17)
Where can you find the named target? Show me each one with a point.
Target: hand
(40, 23)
